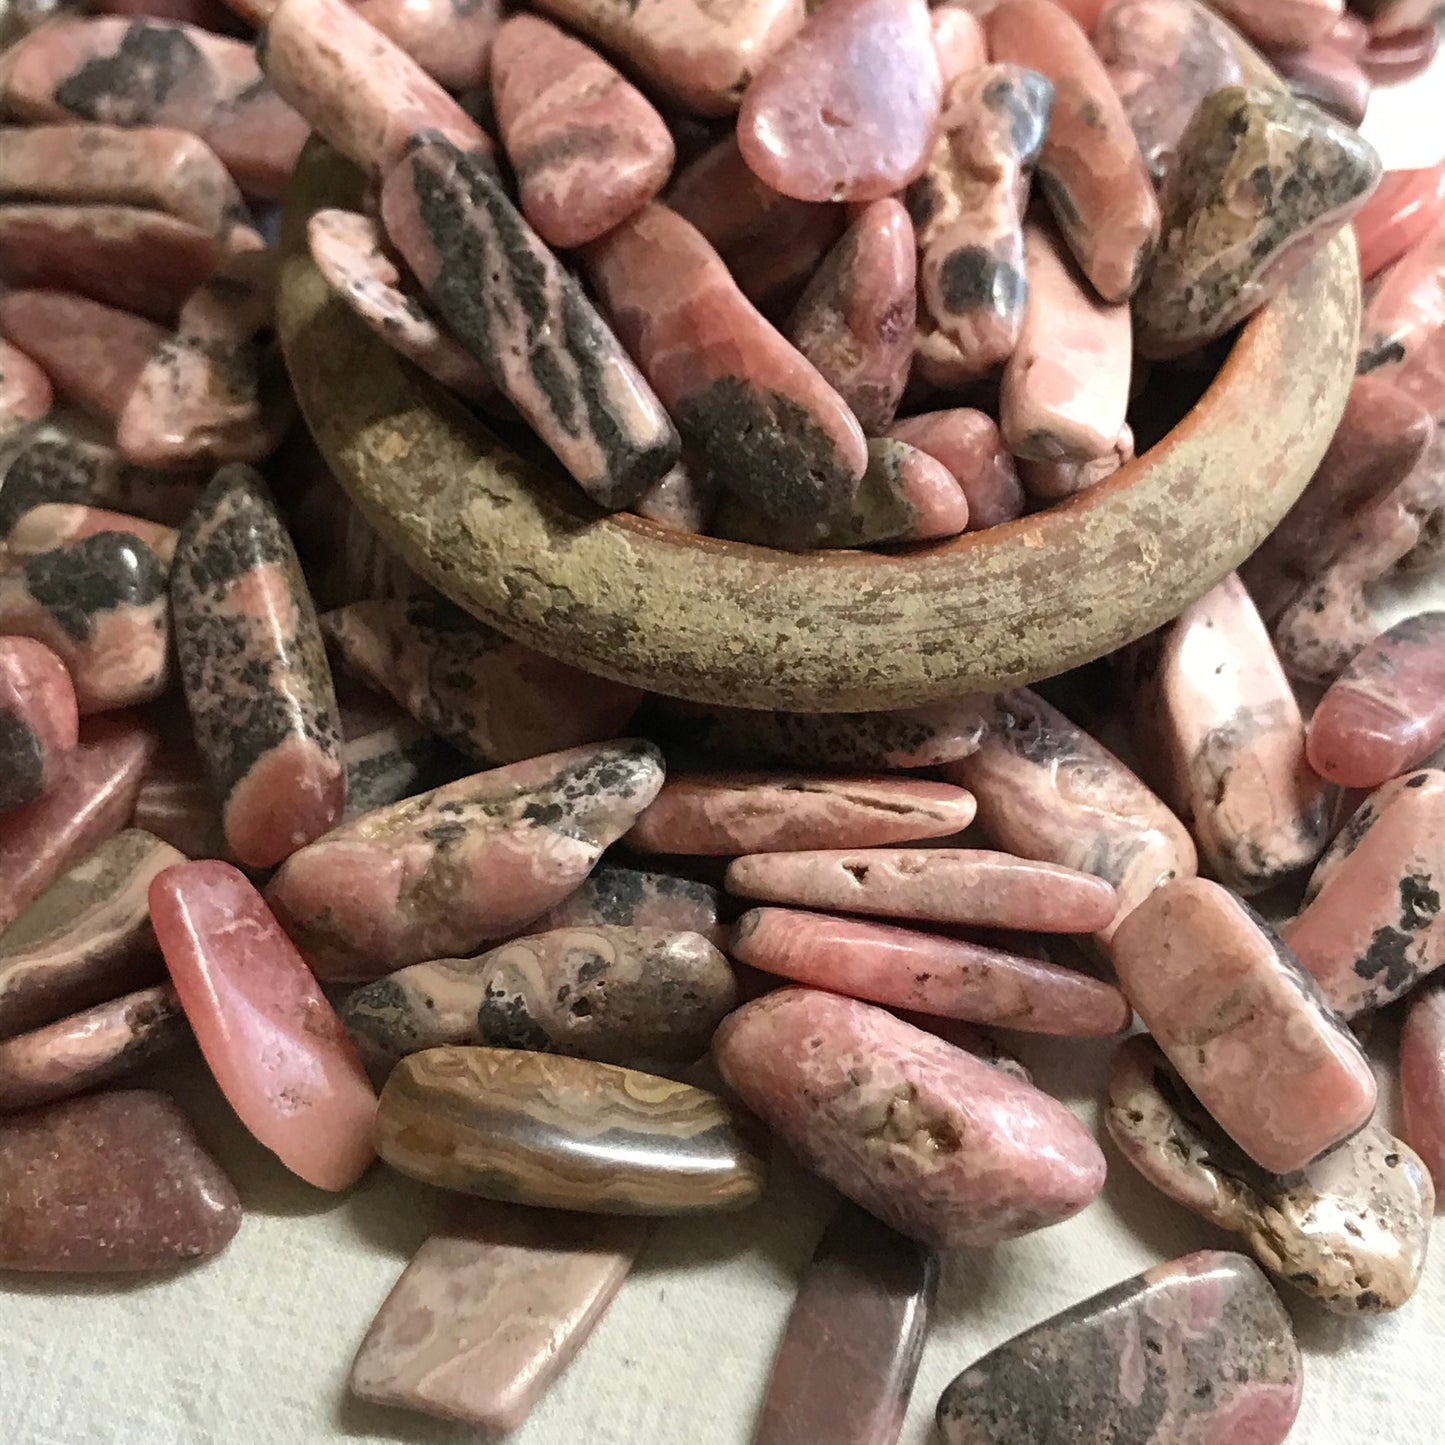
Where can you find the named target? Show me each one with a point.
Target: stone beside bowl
(515, 543)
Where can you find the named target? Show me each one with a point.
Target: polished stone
(969, 444)
(273, 1043)
(39, 721)
(566, 1133)
(938, 1144)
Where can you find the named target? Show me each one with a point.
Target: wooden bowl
(517, 545)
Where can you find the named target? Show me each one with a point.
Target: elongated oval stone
(731, 813)
(1262, 181)
(87, 1049)
(1405, 208)
(25, 391)
(1422, 1079)
(361, 91)
(92, 802)
(632, 898)
(940, 885)
(723, 372)
(101, 605)
(587, 146)
(56, 524)
(969, 444)
(936, 1143)
(491, 1310)
(928, 973)
(276, 1048)
(1195, 1351)
(565, 1133)
(110, 1183)
(854, 320)
(634, 996)
(847, 109)
(492, 698)
(850, 1351)
(1212, 707)
(39, 721)
(531, 326)
(1243, 1023)
(1350, 1230)
(152, 167)
(268, 730)
(87, 938)
(437, 875)
(450, 39)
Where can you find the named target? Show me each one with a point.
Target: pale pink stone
(1243, 1023)
(727, 814)
(1404, 209)
(1048, 790)
(969, 444)
(93, 800)
(25, 393)
(276, 1048)
(39, 721)
(935, 1142)
(848, 108)
(587, 147)
(938, 885)
(928, 972)
(1283, 24)
(1066, 386)
(93, 353)
(1369, 931)
(450, 39)
(1422, 1080)
(55, 524)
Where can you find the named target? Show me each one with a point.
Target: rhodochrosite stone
(39, 721)
(937, 1143)
(848, 108)
(278, 1051)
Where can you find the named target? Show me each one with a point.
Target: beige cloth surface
(253, 1348)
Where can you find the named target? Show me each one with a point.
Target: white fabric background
(253, 1348)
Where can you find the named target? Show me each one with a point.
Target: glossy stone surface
(25, 391)
(587, 146)
(1090, 168)
(928, 973)
(41, 840)
(39, 722)
(251, 999)
(88, 1049)
(1048, 790)
(361, 91)
(152, 167)
(722, 371)
(565, 1133)
(1262, 182)
(631, 898)
(492, 698)
(854, 321)
(87, 938)
(451, 40)
(437, 875)
(642, 997)
(937, 885)
(1405, 208)
(1066, 385)
(848, 108)
(450, 219)
(1212, 709)
(968, 209)
(969, 444)
(938, 1144)
(1244, 1024)
(1283, 24)
(1422, 1079)
(268, 731)
(726, 814)
(55, 524)
(701, 55)
(1350, 1231)
(1163, 57)
(113, 1183)
(1196, 1351)
(100, 604)
(845, 1367)
(491, 1310)
(128, 72)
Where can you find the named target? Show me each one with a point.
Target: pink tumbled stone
(1243, 1023)
(1422, 1080)
(39, 721)
(928, 972)
(969, 444)
(937, 1143)
(1386, 712)
(1403, 210)
(587, 146)
(726, 814)
(848, 108)
(938, 885)
(277, 1049)
(25, 393)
